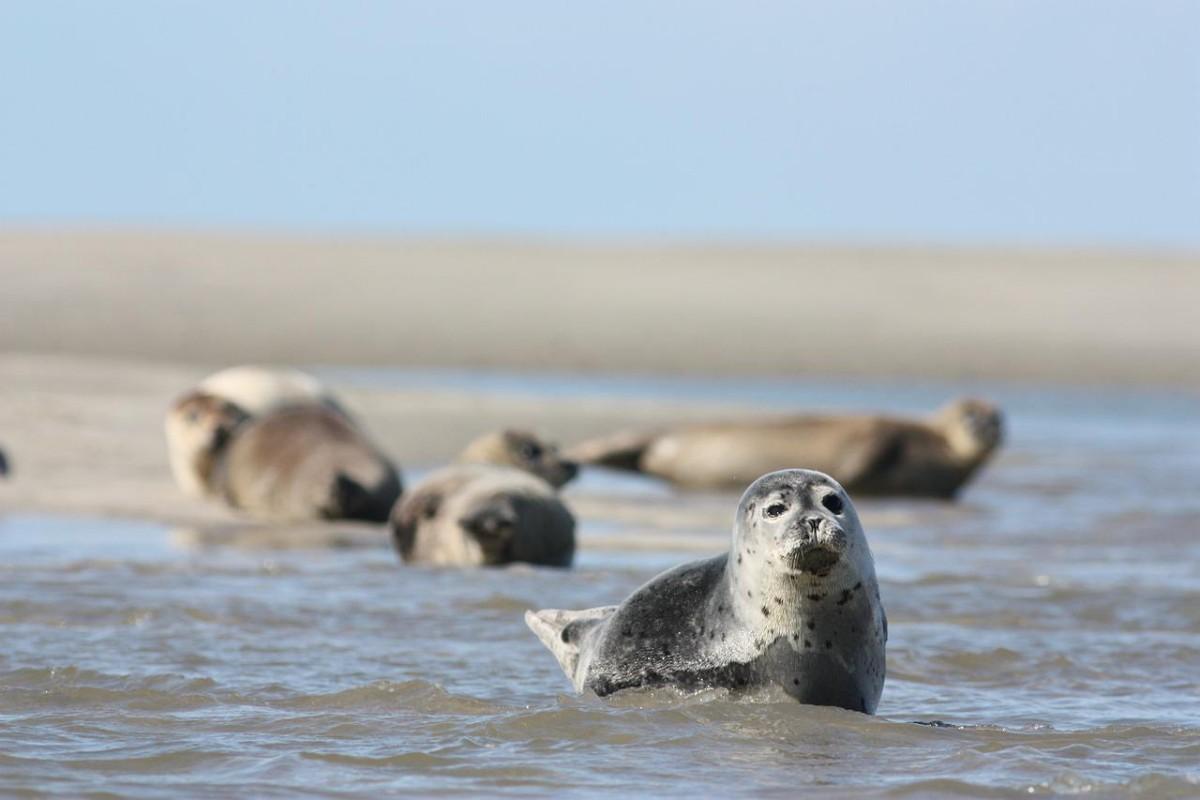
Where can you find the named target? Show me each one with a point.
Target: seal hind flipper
(870, 458)
(622, 450)
(562, 631)
(352, 500)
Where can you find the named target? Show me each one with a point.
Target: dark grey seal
(793, 604)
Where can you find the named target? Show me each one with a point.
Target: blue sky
(989, 121)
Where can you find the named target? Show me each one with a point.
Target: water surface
(1049, 623)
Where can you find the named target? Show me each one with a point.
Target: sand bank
(214, 300)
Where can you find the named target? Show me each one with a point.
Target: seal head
(199, 428)
(973, 428)
(524, 451)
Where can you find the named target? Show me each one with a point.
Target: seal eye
(774, 510)
(530, 451)
(833, 503)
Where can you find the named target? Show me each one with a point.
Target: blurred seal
(524, 451)
(297, 462)
(793, 604)
(497, 506)
(254, 391)
(869, 455)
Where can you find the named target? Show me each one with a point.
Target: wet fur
(743, 619)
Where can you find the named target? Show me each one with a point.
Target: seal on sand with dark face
(254, 391)
(300, 462)
(498, 505)
(869, 455)
(793, 604)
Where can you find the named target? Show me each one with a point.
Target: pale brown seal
(498, 507)
(869, 455)
(297, 462)
(255, 391)
(794, 604)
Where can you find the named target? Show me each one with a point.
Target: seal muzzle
(817, 545)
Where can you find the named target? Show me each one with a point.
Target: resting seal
(497, 506)
(300, 462)
(254, 391)
(869, 455)
(793, 604)
(524, 451)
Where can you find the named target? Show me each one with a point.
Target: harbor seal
(793, 604)
(869, 455)
(254, 391)
(524, 451)
(297, 462)
(497, 506)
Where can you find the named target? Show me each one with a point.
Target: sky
(1044, 122)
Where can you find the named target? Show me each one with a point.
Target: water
(1049, 624)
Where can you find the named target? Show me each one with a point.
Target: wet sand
(85, 435)
(99, 331)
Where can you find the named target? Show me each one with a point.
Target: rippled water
(1049, 623)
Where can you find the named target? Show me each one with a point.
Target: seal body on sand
(300, 462)
(254, 391)
(873, 455)
(793, 604)
(487, 511)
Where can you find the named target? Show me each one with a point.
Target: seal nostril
(813, 524)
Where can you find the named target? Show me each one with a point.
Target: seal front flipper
(563, 631)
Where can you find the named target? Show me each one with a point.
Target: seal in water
(497, 506)
(299, 462)
(869, 455)
(793, 604)
(254, 391)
